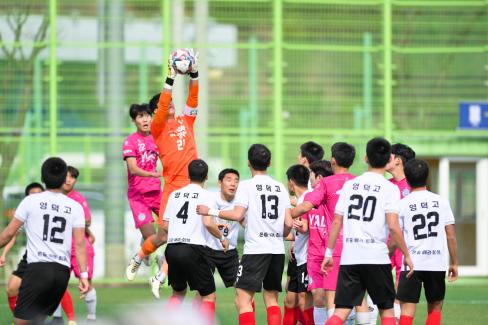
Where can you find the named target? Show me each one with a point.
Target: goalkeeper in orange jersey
(175, 139)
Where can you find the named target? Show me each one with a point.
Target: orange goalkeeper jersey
(175, 139)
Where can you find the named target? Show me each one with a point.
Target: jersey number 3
(60, 224)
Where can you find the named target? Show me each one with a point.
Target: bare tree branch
(40, 37)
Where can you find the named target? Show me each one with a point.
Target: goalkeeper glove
(194, 64)
(170, 75)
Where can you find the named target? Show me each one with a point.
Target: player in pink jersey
(401, 154)
(141, 155)
(91, 295)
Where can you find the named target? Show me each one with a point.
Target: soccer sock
(147, 248)
(405, 320)
(299, 314)
(207, 309)
(67, 304)
(273, 315)
(247, 318)
(91, 304)
(397, 310)
(388, 321)
(319, 315)
(334, 320)
(11, 302)
(363, 318)
(174, 301)
(308, 316)
(290, 317)
(434, 318)
(57, 313)
(161, 276)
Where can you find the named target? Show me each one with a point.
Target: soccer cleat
(155, 286)
(132, 269)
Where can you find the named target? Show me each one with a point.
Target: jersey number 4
(420, 226)
(183, 213)
(361, 204)
(273, 206)
(60, 224)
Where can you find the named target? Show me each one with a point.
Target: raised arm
(192, 99)
(159, 119)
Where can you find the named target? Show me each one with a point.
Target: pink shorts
(396, 262)
(143, 205)
(90, 257)
(318, 280)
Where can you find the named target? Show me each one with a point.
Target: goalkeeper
(175, 139)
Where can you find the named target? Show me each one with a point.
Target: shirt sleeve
(21, 213)
(128, 149)
(318, 195)
(392, 200)
(86, 209)
(79, 216)
(448, 213)
(242, 196)
(159, 119)
(340, 207)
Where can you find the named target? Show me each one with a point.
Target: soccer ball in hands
(182, 61)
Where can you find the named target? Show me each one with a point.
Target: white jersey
(49, 219)
(185, 225)
(232, 232)
(423, 217)
(301, 241)
(363, 203)
(266, 201)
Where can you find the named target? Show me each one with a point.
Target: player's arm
(10, 232)
(397, 238)
(6, 250)
(301, 209)
(327, 263)
(136, 170)
(452, 247)
(159, 119)
(237, 214)
(288, 222)
(81, 259)
(312, 200)
(301, 225)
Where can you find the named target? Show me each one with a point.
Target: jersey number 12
(60, 224)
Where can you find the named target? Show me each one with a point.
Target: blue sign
(473, 116)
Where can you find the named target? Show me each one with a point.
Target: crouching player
(427, 220)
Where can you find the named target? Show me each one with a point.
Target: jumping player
(427, 221)
(175, 140)
(268, 220)
(51, 220)
(368, 207)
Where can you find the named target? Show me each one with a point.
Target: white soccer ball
(182, 61)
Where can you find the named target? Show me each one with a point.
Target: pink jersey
(327, 193)
(318, 231)
(146, 153)
(84, 203)
(403, 186)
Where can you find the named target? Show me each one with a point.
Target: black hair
(53, 172)
(299, 174)
(259, 157)
(198, 170)
(343, 153)
(226, 171)
(153, 102)
(31, 186)
(74, 172)
(312, 151)
(404, 152)
(136, 109)
(322, 168)
(378, 151)
(416, 172)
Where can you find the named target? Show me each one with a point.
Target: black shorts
(226, 263)
(43, 286)
(188, 265)
(21, 267)
(258, 271)
(434, 286)
(292, 273)
(302, 278)
(354, 280)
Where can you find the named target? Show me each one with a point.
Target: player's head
(33, 188)
(228, 181)
(378, 152)
(416, 172)
(141, 116)
(298, 176)
(342, 154)
(71, 178)
(198, 171)
(53, 173)
(401, 155)
(259, 157)
(310, 152)
(153, 105)
(318, 170)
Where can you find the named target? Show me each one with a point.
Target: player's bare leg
(291, 303)
(320, 305)
(363, 313)
(434, 309)
(157, 281)
(408, 313)
(273, 311)
(329, 297)
(305, 302)
(176, 298)
(12, 289)
(207, 307)
(243, 303)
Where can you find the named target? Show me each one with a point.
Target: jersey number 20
(361, 204)
(60, 224)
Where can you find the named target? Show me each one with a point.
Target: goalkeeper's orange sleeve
(192, 100)
(159, 120)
